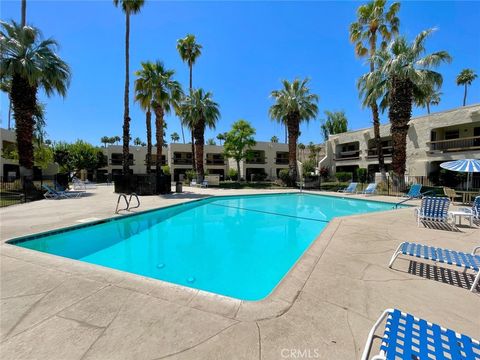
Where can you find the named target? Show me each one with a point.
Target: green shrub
(232, 174)
(166, 170)
(343, 176)
(190, 174)
(308, 167)
(284, 175)
(324, 172)
(361, 174)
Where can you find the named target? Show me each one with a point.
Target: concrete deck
(56, 308)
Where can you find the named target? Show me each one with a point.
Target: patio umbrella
(467, 165)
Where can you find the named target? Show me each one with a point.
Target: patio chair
(370, 189)
(446, 256)
(193, 182)
(83, 185)
(451, 194)
(433, 209)
(204, 184)
(56, 195)
(409, 337)
(350, 189)
(475, 209)
(414, 191)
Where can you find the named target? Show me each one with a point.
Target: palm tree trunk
(183, 134)
(399, 113)
(293, 130)
(159, 113)
(375, 115)
(428, 107)
(199, 132)
(9, 112)
(24, 99)
(149, 140)
(465, 95)
(238, 170)
(126, 113)
(286, 134)
(193, 136)
(24, 13)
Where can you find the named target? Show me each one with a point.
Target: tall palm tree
(129, 7)
(274, 139)
(175, 137)
(23, 20)
(166, 94)
(293, 104)
(198, 112)
(466, 78)
(144, 85)
(427, 95)
(189, 51)
(402, 70)
(373, 21)
(31, 63)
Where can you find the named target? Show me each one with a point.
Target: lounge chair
(56, 195)
(350, 189)
(433, 209)
(475, 209)
(204, 184)
(451, 194)
(370, 189)
(451, 257)
(414, 191)
(193, 182)
(83, 185)
(408, 337)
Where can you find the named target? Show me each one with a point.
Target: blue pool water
(239, 246)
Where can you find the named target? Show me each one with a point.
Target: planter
(143, 184)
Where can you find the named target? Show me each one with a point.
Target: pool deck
(57, 308)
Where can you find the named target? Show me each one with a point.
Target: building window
(452, 134)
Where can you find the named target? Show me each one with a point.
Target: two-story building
(431, 140)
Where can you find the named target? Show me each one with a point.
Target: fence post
(388, 187)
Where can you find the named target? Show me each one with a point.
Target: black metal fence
(18, 192)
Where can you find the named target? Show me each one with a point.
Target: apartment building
(9, 168)
(431, 140)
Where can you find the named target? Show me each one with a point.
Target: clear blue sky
(248, 47)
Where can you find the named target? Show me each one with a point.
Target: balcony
(452, 145)
(387, 152)
(215, 162)
(281, 161)
(347, 155)
(182, 161)
(256, 160)
(120, 162)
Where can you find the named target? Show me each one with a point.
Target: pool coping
(278, 302)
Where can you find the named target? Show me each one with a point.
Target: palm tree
(198, 112)
(466, 78)
(210, 142)
(105, 140)
(116, 139)
(301, 148)
(167, 94)
(137, 141)
(221, 137)
(427, 95)
(175, 137)
(144, 85)
(374, 21)
(293, 104)
(336, 123)
(274, 139)
(189, 51)
(402, 71)
(31, 63)
(128, 7)
(23, 21)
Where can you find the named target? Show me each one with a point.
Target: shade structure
(467, 165)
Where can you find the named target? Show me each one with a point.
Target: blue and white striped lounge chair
(475, 209)
(408, 337)
(433, 209)
(370, 189)
(414, 191)
(451, 257)
(350, 189)
(56, 195)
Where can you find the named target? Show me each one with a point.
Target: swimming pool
(237, 246)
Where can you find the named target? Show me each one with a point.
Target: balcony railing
(120, 162)
(348, 155)
(153, 162)
(461, 144)
(215, 162)
(182, 161)
(256, 161)
(281, 161)
(387, 152)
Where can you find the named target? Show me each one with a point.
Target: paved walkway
(56, 308)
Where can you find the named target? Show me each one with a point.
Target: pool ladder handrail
(127, 202)
(414, 198)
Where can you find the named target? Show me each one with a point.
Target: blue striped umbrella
(466, 165)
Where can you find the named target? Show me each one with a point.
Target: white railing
(466, 143)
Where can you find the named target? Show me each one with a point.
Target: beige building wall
(431, 139)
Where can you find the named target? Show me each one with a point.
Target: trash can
(178, 187)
